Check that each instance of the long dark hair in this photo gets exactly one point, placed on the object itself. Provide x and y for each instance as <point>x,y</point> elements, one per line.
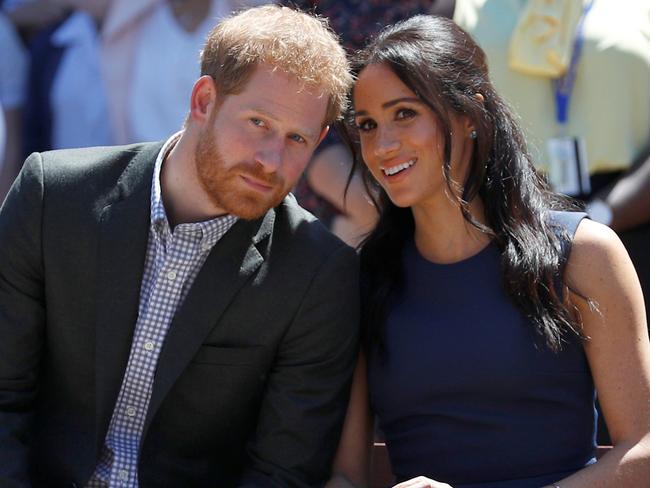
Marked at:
<point>445,68</point>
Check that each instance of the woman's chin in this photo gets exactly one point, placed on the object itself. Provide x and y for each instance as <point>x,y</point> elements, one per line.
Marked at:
<point>401,200</point>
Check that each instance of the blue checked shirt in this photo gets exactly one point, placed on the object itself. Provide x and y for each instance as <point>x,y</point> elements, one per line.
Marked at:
<point>172,263</point>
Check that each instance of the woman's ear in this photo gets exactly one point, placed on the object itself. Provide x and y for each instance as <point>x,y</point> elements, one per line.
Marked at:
<point>469,128</point>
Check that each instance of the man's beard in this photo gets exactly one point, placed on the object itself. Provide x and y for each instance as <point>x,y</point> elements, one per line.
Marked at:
<point>225,186</point>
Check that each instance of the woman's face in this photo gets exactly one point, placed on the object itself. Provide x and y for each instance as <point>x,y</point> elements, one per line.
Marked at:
<point>401,138</point>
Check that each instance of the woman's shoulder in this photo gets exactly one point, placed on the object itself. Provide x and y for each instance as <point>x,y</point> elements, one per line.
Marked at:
<point>592,242</point>
<point>598,259</point>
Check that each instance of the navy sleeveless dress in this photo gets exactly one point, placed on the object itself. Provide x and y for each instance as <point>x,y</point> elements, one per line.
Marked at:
<point>466,392</point>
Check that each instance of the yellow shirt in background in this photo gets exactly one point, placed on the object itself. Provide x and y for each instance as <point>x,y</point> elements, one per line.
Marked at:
<point>610,102</point>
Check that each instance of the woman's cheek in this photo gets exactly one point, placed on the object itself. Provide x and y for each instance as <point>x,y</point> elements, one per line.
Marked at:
<point>375,171</point>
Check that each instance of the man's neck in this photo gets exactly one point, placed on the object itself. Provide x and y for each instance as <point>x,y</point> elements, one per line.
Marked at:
<point>183,196</point>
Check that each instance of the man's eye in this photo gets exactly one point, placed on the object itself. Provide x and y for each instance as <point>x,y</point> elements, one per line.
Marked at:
<point>405,113</point>
<point>297,138</point>
<point>258,122</point>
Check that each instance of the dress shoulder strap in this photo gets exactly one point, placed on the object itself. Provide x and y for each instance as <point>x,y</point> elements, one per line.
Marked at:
<point>564,224</point>
<point>566,220</point>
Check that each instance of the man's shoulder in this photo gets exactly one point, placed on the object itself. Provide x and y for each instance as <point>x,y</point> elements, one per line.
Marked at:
<point>90,178</point>
<point>83,159</point>
<point>94,167</point>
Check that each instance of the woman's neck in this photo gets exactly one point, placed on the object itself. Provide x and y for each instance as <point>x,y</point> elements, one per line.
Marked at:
<point>442,235</point>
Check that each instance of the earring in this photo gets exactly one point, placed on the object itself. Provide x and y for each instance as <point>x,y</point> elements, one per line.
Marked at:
<point>473,135</point>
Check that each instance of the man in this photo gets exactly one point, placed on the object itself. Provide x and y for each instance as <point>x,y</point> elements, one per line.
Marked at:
<point>168,315</point>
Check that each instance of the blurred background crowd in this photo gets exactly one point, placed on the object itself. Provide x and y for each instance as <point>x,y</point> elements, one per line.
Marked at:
<point>79,73</point>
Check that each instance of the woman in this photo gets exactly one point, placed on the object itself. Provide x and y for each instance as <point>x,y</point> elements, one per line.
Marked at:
<point>485,336</point>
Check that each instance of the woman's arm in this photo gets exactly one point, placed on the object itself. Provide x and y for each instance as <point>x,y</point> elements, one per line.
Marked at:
<point>352,461</point>
<point>618,352</point>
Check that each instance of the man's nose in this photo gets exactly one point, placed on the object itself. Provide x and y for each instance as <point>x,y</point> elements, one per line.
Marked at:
<point>270,155</point>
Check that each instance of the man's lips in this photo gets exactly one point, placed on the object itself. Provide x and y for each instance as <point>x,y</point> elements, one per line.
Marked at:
<point>256,184</point>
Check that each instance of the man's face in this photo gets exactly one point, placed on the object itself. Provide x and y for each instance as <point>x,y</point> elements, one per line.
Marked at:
<point>257,142</point>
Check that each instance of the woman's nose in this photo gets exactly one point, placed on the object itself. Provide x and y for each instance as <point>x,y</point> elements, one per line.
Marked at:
<point>387,142</point>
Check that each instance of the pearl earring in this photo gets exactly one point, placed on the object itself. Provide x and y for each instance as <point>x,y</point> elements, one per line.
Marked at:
<point>473,134</point>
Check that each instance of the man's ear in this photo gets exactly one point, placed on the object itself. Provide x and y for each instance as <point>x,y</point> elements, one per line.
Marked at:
<point>323,133</point>
<point>203,100</point>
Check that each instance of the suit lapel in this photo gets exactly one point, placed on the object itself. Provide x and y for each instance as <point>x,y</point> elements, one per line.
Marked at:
<point>228,267</point>
<point>124,231</point>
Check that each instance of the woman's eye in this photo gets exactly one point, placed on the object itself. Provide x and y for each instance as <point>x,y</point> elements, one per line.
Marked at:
<point>365,125</point>
<point>405,113</point>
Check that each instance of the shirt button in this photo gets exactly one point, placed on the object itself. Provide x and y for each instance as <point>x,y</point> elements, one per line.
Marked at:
<point>171,275</point>
<point>130,411</point>
<point>123,475</point>
<point>149,346</point>
<point>206,246</point>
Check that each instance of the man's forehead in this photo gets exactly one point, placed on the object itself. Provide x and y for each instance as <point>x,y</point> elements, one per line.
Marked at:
<point>284,98</point>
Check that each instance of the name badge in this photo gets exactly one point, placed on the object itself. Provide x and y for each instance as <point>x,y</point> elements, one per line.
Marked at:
<point>568,170</point>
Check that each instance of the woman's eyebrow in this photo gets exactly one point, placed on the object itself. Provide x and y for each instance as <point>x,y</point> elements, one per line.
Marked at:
<point>391,103</point>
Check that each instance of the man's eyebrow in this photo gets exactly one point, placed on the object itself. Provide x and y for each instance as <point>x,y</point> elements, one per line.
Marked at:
<point>391,103</point>
<point>305,132</point>
<point>263,112</point>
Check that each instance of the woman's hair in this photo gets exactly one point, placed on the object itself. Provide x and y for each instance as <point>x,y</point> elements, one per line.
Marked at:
<point>446,69</point>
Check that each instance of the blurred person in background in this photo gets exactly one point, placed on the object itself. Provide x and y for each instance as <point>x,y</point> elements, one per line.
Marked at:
<point>13,74</point>
<point>150,58</point>
<point>578,74</point>
<point>3,136</point>
<point>32,16</point>
<point>350,215</point>
<point>66,105</point>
